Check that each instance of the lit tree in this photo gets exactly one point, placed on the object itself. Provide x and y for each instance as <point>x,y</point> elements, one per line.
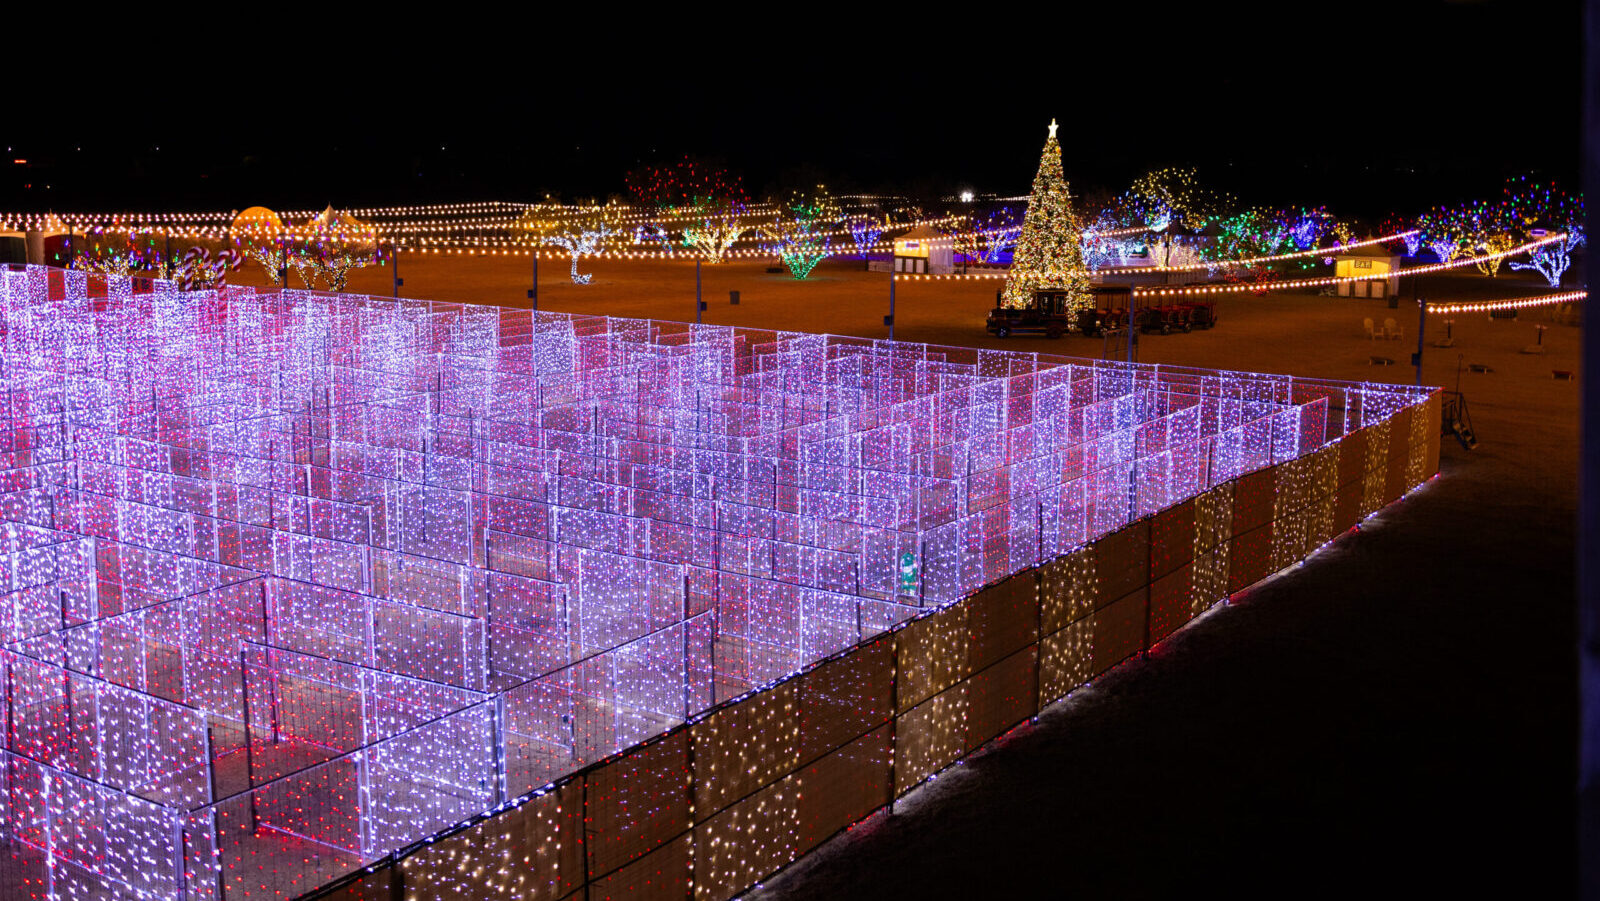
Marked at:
<point>587,230</point>
<point>1393,224</point>
<point>865,230</point>
<point>259,235</point>
<point>1173,195</point>
<point>715,224</point>
<point>710,203</point>
<point>1308,228</point>
<point>1049,252</point>
<point>1530,206</point>
<point>653,234</point>
<point>1437,230</point>
<point>1482,228</point>
<point>1251,233</point>
<point>270,254</point>
<point>800,232</point>
<point>985,238</point>
<point>108,253</point>
<point>332,245</point>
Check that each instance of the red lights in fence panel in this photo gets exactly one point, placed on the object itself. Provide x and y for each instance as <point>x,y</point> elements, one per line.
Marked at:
<point>296,580</point>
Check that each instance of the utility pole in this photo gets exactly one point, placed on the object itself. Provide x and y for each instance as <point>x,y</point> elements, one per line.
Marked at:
<point>1422,322</point>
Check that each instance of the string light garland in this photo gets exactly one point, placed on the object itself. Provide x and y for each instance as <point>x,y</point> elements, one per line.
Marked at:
<point>1263,285</point>
<point>1281,284</point>
<point>1517,303</point>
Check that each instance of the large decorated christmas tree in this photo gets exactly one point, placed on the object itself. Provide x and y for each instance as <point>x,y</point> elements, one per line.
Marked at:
<point>1049,254</point>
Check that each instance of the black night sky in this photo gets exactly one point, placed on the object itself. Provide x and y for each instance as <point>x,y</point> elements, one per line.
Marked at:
<point>1367,108</point>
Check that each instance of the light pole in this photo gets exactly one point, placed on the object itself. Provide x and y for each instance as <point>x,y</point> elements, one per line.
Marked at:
<point>533,292</point>
<point>889,319</point>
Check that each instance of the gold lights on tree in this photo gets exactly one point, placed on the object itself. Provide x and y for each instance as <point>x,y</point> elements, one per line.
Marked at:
<point>1049,255</point>
<point>591,230</point>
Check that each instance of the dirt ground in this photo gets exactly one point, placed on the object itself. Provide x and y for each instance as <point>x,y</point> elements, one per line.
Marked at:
<point>1394,717</point>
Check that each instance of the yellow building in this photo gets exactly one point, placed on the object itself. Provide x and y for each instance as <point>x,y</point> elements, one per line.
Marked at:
<point>923,249</point>
<point>1374,267</point>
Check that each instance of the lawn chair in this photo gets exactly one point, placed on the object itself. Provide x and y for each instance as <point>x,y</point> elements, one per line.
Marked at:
<point>1390,330</point>
<point>1372,331</point>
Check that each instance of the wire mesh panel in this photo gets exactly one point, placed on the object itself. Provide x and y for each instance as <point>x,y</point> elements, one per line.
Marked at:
<point>1066,659</point>
<point>660,875</point>
<point>747,840</point>
<point>1120,630</point>
<point>845,697</point>
<point>1069,589</point>
<point>745,746</point>
<point>1002,620</point>
<point>929,737</point>
<point>1001,696</point>
<point>532,852</point>
<point>843,787</point>
<point>637,803</point>
<point>933,656</point>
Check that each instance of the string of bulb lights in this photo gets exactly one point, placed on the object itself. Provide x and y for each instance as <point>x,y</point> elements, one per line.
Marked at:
<point>1515,303</point>
<point>1266,285</point>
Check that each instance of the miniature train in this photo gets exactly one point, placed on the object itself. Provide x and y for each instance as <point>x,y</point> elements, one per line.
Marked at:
<point>1051,315</point>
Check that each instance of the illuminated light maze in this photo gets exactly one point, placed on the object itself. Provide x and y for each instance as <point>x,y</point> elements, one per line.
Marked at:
<point>298,583</point>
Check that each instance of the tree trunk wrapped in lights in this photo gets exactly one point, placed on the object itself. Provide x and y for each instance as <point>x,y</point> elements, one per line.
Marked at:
<point>1531,206</point>
<point>800,231</point>
<point>983,239</point>
<point>589,231</point>
<point>1049,254</point>
<point>702,201</point>
<point>336,244</point>
<point>715,226</point>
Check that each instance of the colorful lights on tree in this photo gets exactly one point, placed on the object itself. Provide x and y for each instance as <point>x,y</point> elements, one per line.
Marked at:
<point>986,238</point>
<point>705,202</point>
<point>800,233</point>
<point>1533,205</point>
<point>865,230</point>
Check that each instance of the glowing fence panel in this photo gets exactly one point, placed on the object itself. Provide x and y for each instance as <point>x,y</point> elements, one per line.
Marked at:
<point>637,803</point>
<point>95,838</point>
<point>746,841</point>
<point>428,778</point>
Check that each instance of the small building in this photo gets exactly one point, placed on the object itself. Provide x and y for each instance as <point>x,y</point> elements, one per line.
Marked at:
<point>924,250</point>
<point>1375,267</point>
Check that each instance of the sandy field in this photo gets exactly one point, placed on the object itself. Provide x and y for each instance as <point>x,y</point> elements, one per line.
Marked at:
<point>1395,716</point>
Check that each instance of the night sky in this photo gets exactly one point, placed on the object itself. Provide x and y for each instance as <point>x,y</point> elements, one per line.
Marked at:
<point>1365,109</point>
